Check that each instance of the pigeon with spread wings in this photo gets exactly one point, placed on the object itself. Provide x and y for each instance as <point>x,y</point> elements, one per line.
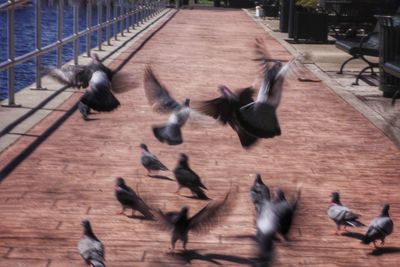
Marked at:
<point>161,101</point>
<point>96,78</point>
<point>180,224</point>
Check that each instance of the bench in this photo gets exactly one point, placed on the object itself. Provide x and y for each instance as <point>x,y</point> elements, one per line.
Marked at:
<point>359,49</point>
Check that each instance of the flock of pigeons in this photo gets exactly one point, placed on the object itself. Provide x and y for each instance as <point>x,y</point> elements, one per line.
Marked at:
<point>250,119</point>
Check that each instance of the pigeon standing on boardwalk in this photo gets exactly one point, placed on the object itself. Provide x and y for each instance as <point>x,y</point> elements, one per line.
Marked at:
<point>379,228</point>
<point>342,215</point>
<point>150,161</point>
<point>90,247</point>
<point>180,224</point>
<point>161,101</point>
<point>96,78</point>
<point>225,109</point>
<point>129,199</point>
<point>284,211</point>
<point>186,177</point>
<point>259,193</point>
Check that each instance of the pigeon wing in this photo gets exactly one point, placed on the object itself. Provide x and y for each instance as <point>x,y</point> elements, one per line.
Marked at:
<point>100,98</point>
<point>211,214</point>
<point>157,94</point>
<point>72,75</point>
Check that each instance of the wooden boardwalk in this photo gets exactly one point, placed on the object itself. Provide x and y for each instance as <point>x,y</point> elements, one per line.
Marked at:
<point>326,145</point>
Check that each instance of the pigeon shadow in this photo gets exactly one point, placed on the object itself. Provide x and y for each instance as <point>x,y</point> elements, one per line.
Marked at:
<point>385,250</point>
<point>354,235</point>
<point>140,217</point>
<point>161,177</point>
<point>189,255</point>
<point>251,237</point>
<point>195,197</point>
<point>90,119</point>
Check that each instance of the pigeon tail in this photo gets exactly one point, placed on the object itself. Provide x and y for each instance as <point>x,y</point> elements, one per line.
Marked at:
<point>366,239</point>
<point>199,193</point>
<point>354,223</point>
<point>395,96</point>
<point>97,263</point>
<point>146,213</point>
<point>168,133</point>
<point>266,248</point>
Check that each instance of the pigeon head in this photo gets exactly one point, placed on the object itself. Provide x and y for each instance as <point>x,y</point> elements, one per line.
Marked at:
<point>225,91</point>
<point>186,102</point>
<point>184,212</point>
<point>258,180</point>
<point>279,195</point>
<point>335,198</point>
<point>385,210</point>
<point>120,181</point>
<point>144,147</point>
<point>87,229</point>
<point>183,157</point>
<point>85,223</point>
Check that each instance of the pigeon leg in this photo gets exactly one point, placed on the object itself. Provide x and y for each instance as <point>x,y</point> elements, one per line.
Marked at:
<point>382,242</point>
<point>177,191</point>
<point>184,242</point>
<point>337,230</point>
<point>345,228</point>
<point>375,245</point>
<point>122,211</point>
<point>133,212</point>
<point>149,172</point>
<point>173,241</point>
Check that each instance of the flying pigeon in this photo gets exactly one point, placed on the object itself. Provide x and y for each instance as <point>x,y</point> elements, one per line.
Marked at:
<point>259,193</point>
<point>162,102</point>
<point>150,161</point>
<point>342,215</point>
<point>96,78</point>
<point>90,247</point>
<point>180,224</point>
<point>129,199</point>
<point>379,228</point>
<point>186,177</point>
<point>225,109</point>
<point>284,211</point>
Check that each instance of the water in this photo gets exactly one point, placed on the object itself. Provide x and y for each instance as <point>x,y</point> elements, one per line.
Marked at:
<point>25,39</point>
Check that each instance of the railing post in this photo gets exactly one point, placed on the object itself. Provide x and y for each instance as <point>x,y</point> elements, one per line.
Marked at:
<point>99,22</point>
<point>88,27</point>
<point>38,44</point>
<point>127,17</point>
<point>132,15</point>
<point>60,21</point>
<point>11,56</point>
<point>115,20</point>
<point>108,14</point>
<point>121,19</point>
<point>75,6</point>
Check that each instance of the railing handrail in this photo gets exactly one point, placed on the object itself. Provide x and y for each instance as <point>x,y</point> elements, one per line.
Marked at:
<point>139,11</point>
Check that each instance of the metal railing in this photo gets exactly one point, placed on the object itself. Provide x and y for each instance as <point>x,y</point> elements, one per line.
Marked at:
<point>126,14</point>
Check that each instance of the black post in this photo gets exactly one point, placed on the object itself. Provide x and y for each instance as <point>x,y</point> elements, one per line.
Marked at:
<point>284,16</point>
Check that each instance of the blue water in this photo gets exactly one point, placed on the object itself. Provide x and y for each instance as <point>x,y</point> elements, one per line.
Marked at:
<point>25,40</point>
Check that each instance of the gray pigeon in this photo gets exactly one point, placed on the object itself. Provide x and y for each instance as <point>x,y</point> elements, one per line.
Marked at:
<point>90,247</point>
<point>162,102</point>
<point>96,78</point>
<point>180,224</point>
<point>259,193</point>
<point>186,177</point>
<point>342,215</point>
<point>225,109</point>
<point>259,117</point>
<point>379,228</point>
<point>129,199</point>
<point>285,211</point>
<point>150,161</point>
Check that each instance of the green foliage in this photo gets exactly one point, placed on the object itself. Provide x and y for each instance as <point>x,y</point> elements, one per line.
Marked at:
<point>307,3</point>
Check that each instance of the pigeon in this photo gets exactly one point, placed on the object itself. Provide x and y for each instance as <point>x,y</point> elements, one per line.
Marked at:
<point>379,228</point>
<point>129,199</point>
<point>96,78</point>
<point>342,215</point>
<point>285,211</point>
<point>150,161</point>
<point>161,101</point>
<point>186,177</point>
<point>180,224</point>
<point>259,193</point>
<point>259,118</point>
<point>90,247</point>
<point>225,109</point>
